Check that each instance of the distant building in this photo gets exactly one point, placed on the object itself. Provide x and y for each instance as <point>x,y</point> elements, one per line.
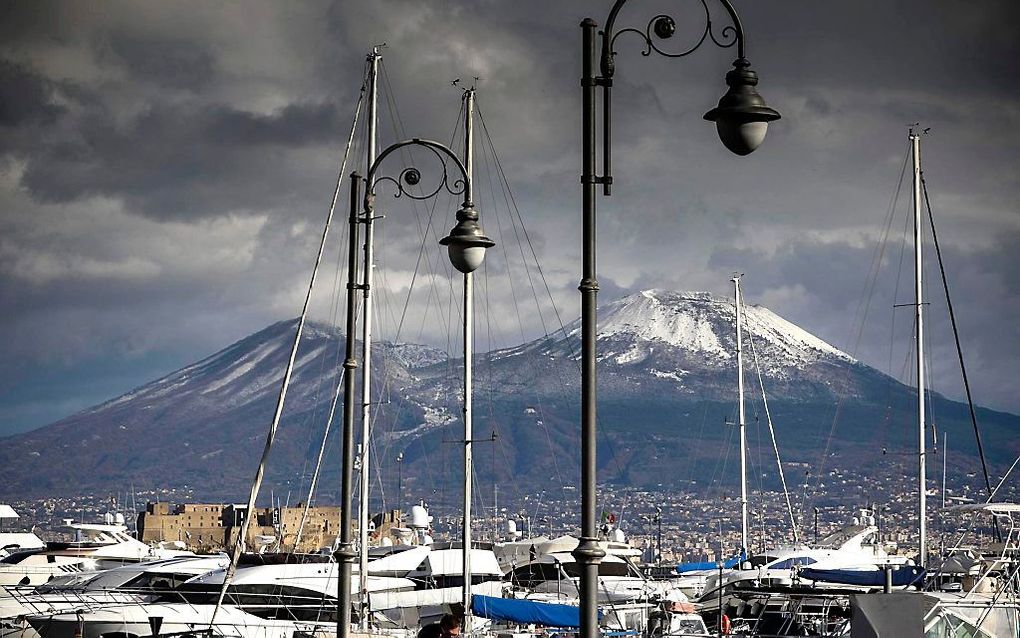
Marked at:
<point>214,527</point>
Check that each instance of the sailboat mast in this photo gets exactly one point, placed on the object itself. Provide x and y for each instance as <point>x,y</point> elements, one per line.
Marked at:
<point>366,347</point>
<point>945,453</point>
<point>469,302</point>
<point>741,421</point>
<point>915,143</point>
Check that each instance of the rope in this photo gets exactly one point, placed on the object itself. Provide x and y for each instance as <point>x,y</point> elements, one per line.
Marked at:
<point>860,319</point>
<point>340,382</point>
<point>956,337</point>
<point>508,195</point>
<point>772,433</point>
<point>257,482</point>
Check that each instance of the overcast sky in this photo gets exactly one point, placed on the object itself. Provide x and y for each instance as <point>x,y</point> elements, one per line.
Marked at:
<point>165,170</point>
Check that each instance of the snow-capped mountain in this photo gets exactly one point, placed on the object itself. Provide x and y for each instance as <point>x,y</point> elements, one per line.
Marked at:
<point>687,342</point>
<point>204,424</point>
<point>703,323</point>
<point>667,377</point>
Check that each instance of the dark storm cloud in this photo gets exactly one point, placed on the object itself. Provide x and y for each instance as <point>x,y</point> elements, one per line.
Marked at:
<point>172,63</point>
<point>164,168</point>
<point>181,160</point>
<point>25,97</point>
<point>824,285</point>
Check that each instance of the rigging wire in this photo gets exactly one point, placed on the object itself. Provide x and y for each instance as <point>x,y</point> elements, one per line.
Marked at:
<point>354,147</point>
<point>334,310</point>
<point>698,443</point>
<point>772,433</point>
<point>257,482</point>
<point>906,371</point>
<point>386,386</point>
<point>956,337</point>
<point>615,459</point>
<point>860,318</point>
<point>489,164</point>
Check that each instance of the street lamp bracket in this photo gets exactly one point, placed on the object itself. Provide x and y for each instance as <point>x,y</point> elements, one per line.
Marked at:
<point>663,27</point>
<point>408,181</point>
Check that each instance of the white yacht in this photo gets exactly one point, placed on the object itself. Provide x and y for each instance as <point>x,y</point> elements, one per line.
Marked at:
<point>96,546</point>
<point>12,542</point>
<point>140,582</point>
<point>270,596</point>
<point>437,572</point>
<point>625,594</point>
<point>856,551</point>
<point>552,573</point>
<point>975,591</point>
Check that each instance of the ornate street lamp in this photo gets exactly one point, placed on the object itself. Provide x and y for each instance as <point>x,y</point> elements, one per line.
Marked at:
<point>466,245</point>
<point>741,119</point>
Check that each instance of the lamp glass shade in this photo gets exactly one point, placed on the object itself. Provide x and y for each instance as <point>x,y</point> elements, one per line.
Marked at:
<point>740,136</point>
<point>465,258</point>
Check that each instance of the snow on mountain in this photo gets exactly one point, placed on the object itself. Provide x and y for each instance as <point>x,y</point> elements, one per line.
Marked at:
<point>675,319</point>
<point>700,322</point>
<point>684,342</point>
<point>416,355</point>
<point>667,363</point>
<point>652,325</point>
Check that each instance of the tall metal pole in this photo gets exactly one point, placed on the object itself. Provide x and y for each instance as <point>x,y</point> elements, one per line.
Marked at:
<point>945,451</point>
<point>366,350</point>
<point>741,424</point>
<point>588,553</point>
<point>922,504</point>
<point>658,539</point>
<point>942,510</point>
<point>346,553</point>
<point>469,151</point>
<point>400,487</point>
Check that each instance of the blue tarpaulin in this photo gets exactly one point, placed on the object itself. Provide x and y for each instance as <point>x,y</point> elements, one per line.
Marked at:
<point>683,568</point>
<point>526,611</point>
<point>901,576</point>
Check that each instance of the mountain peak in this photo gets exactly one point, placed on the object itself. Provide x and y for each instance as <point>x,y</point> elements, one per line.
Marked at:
<point>702,324</point>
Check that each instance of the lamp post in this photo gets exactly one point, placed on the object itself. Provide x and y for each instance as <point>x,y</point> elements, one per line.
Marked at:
<point>741,119</point>
<point>346,554</point>
<point>466,246</point>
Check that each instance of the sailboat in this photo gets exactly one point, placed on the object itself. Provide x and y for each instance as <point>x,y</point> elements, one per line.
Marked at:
<point>787,589</point>
<point>973,590</point>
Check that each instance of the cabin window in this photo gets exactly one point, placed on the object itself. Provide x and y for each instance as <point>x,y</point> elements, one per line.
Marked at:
<point>790,562</point>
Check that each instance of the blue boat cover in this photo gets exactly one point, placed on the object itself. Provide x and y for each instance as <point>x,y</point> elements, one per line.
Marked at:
<point>901,576</point>
<point>683,568</point>
<point>526,611</point>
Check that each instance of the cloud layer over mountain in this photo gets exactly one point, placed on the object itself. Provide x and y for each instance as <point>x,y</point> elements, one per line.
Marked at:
<point>165,170</point>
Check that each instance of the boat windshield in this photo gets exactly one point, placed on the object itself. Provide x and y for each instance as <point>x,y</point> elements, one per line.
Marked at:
<point>758,561</point>
<point>157,581</point>
<point>18,557</point>
<point>269,601</point>
<point>791,562</point>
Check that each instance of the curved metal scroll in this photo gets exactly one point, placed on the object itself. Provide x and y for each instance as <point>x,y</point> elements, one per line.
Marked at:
<point>662,27</point>
<point>410,177</point>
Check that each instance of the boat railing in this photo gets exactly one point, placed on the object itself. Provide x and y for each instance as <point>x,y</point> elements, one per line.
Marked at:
<point>771,614</point>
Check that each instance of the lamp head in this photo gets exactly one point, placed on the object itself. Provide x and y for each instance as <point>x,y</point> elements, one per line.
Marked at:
<point>466,243</point>
<point>742,118</point>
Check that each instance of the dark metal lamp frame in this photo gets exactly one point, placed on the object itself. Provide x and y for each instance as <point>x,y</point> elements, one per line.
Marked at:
<point>741,104</point>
